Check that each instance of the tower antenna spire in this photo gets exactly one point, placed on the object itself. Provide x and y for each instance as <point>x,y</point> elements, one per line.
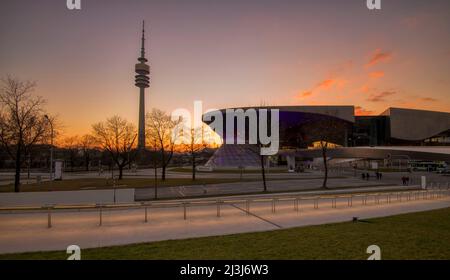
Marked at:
<point>143,39</point>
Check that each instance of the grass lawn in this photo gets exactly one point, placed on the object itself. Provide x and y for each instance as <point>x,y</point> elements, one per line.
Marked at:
<point>101,183</point>
<point>424,235</point>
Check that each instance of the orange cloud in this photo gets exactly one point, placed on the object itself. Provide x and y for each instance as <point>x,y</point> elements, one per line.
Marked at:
<point>329,83</point>
<point>365,88</point>
<point>379,56</point>
<point>376,74</point>
<point>428,99</point>
<point>360,111</point>
<point>324,85</point>
<point>381,97</point>
<point>305,94</point>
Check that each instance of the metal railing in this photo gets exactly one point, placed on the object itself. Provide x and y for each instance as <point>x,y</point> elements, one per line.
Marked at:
<point>348,200</point>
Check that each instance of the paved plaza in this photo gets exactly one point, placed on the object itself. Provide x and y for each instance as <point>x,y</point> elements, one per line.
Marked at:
<point>29,232</point>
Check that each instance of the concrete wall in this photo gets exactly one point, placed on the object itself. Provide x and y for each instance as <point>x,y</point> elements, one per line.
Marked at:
<point>66,197</point>
<point>417,125</point>
<point>342,112</point>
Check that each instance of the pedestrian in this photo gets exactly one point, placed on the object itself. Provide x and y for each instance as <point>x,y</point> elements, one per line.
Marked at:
<point>367,176</point>
<point>407,181</point>
<point>403,180</point>
<point>381,175</point>
<point>363,176</point>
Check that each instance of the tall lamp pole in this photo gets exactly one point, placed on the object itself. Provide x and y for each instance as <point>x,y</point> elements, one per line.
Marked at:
<point>51,148</point>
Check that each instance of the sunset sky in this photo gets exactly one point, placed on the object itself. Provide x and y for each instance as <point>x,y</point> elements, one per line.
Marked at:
<point>228,53</point>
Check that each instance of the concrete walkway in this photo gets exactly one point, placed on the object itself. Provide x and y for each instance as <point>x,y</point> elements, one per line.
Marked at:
<point>28,232</point>
<point>242,188</point>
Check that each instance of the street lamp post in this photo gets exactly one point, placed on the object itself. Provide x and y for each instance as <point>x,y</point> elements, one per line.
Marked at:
<point>51,148</point>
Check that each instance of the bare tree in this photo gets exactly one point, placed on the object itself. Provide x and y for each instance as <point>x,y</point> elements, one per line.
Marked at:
<point>160,128</point>
<point>72,147</point>
<point>153,146</point>
<point>263,169</point>
<point>117,136</point>
<point>193,145</point>
<point>326,132</point>
<point>262,160</point>
<point>87,144</point>
<point>22,121</point>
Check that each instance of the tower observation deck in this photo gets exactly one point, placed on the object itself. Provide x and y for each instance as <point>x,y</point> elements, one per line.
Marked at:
<point>142,81</point>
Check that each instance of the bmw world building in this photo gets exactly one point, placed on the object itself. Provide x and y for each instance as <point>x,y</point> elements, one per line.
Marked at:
<point>397,137</point>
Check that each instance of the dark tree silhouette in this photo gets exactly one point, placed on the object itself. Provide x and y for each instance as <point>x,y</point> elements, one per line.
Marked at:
<point>118,137</point>
<point>326,132</point>
<point>160,128</point>
<point>71,147</point>
<point>22,121</point>
<point>193,146</point>
<point>87,144</point>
